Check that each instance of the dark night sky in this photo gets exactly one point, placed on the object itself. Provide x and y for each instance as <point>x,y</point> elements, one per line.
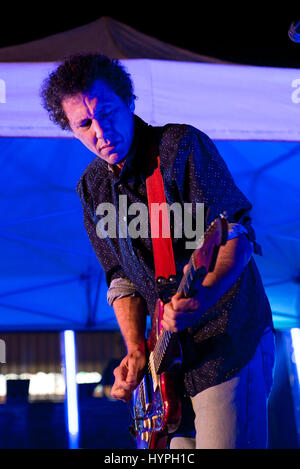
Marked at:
<point>241,35</point>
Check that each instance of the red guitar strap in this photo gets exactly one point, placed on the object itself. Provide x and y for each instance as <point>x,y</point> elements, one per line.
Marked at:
<point>160,226</point>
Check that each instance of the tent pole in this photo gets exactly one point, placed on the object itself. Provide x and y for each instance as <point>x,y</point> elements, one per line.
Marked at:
<point>68,353</point>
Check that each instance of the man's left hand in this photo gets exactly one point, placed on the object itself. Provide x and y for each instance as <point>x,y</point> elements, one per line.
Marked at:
<point>181,313</point>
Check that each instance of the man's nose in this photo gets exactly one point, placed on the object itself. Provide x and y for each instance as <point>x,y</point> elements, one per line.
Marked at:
<point>99,132</point>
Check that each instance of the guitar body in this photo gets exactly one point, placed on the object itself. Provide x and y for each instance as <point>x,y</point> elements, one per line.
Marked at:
<point>157,406</point>
<point>156,401</point>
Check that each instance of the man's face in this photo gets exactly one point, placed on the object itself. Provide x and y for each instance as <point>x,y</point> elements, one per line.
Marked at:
<point>102,121</point>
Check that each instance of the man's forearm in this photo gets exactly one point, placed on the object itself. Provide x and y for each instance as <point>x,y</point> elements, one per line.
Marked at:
<point>182,313</point>
<point>131,313</point>
<point>231,261</point>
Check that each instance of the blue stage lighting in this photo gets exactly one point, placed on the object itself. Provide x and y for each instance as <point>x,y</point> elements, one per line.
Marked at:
<point>71,388</point>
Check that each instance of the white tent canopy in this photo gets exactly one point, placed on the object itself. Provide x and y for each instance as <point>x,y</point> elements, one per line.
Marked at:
<point>49,275</point>
<point>230,102</point>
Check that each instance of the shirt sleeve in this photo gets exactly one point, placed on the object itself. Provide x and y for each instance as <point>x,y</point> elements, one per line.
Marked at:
<point>120,288</point>
<point>211,183</point>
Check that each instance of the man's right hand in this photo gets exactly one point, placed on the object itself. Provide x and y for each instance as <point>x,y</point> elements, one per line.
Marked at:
<point>128,375</point>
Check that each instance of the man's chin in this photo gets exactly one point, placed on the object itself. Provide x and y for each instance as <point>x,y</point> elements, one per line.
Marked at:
<point>113,159</point>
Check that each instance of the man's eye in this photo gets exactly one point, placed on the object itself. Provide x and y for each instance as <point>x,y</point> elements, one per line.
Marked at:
<point>86,123</point>
<point>103,115</point>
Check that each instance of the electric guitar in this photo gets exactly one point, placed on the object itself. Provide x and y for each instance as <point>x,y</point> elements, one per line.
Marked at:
<point>156,408</point>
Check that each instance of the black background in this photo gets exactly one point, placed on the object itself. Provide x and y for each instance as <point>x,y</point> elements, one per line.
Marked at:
<point>243,34</point>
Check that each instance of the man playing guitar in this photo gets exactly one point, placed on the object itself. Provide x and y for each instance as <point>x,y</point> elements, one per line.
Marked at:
<point>225,327</point>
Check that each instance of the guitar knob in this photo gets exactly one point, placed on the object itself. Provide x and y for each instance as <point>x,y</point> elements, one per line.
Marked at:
<point>147,423</point>
<point>156,421</point>
<point>145,436</point>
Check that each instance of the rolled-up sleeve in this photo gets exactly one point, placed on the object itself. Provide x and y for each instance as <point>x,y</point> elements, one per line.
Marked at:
<point>120,288</point>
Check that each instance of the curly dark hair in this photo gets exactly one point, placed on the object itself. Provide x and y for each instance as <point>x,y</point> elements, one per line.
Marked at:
<point>76,75</point>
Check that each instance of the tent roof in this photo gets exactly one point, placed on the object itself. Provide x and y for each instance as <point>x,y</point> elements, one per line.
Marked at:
<point>224,101</point>
<point>105,35</point>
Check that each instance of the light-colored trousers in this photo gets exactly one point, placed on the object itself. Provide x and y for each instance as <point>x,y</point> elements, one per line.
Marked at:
<point>233,414</point>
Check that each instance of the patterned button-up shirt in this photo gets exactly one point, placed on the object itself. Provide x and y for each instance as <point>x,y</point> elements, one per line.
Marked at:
<point>193,172</point>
